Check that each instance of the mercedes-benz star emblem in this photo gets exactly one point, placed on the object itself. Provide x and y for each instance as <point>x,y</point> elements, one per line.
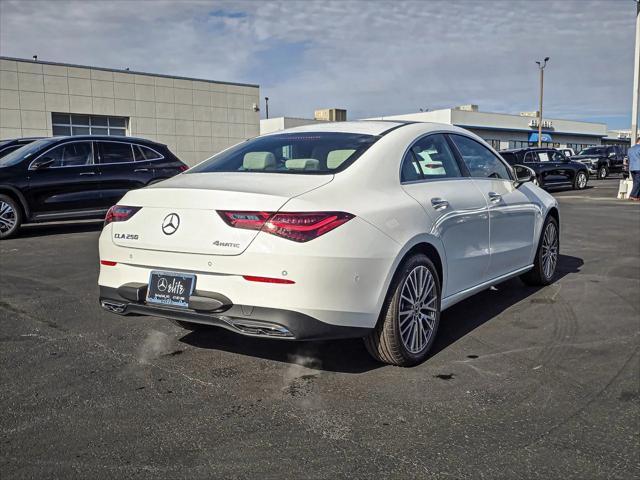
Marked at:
<point>162,284</point>
<point>170,224</point>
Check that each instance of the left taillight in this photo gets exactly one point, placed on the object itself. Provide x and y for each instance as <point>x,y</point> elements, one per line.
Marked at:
<point>120,213</point>
<point>295,226</point>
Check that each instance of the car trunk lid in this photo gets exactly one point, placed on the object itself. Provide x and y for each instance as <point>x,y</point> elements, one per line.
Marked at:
<point>180,214</point>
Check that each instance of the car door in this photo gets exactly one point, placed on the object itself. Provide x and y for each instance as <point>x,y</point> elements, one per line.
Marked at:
<point>512,214</point>
<point>562,167</point>
<point>432,175</point>
<point>69,183</point>
<point>119,170</point>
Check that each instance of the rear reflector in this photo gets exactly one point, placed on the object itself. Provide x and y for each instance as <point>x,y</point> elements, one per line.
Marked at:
<point>296,226</point>
<point>108,263</point>
<point>252,278</point>
<point>120,213</point>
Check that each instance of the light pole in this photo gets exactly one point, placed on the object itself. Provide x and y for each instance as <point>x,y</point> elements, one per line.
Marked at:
<point>541,66</point>
<point>266,106</point>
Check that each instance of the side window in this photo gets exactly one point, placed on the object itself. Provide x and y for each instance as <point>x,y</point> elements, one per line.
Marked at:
<point>115,152</point>
<point>530,157</point>
<point>410,171</point>
<point>144,153</point>
<point>544,156</point>
<point>557,156</point>
<point>480,161</point>
<point>70,155</point>
<point>431,157</point>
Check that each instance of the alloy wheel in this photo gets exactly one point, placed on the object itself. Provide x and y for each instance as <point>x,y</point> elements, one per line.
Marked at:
<point>549,250</point>
<point>417,309</point>
<point>8,217</point>
<point>582,180</point>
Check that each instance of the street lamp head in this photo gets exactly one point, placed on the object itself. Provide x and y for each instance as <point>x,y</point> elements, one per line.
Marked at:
<point>546,59</point>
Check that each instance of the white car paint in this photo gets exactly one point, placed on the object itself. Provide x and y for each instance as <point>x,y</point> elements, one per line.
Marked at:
<point>341,278</point>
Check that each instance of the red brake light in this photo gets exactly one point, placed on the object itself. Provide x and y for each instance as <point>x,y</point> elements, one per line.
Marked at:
<point>296,226</point>
<point>108,263</point>
<point>120,213</point>
<point>183,168</point>
<point>253,278</point>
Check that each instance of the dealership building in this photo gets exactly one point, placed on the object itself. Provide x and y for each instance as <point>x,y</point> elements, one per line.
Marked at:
<point>193,117</point>
<point>503,131</point>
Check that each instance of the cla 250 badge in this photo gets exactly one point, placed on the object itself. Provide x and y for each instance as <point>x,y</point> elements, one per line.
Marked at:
<point>126,236</point>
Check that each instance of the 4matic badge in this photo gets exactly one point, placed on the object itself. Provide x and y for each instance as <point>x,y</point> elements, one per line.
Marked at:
<point>218,243</point>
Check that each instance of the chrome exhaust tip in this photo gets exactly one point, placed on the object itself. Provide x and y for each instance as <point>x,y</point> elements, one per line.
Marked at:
<point>114,307</point>
<point>265,329</point>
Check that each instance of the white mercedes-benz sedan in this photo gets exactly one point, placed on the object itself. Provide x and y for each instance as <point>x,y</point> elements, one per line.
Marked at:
<point>354,229</point>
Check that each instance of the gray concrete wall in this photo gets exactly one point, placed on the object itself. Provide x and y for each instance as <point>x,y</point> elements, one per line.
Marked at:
<point>195,118</point>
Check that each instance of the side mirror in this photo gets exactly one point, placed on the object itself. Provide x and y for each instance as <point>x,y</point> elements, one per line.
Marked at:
<point>524,174</point>
<point>41,163</point>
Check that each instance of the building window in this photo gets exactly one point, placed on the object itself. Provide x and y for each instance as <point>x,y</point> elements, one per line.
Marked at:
<point>75,124</point>
<point>494,143</point>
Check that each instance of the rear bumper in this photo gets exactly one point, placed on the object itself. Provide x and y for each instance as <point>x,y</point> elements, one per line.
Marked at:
<point>243,319</point>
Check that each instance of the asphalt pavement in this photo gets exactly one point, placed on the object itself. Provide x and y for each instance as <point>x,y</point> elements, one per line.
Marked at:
<point>523,382</point>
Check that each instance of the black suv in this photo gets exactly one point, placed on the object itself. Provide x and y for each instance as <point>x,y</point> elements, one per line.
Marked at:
<point>70,178</point>
<point>602,160</point>
<point>552,167</point>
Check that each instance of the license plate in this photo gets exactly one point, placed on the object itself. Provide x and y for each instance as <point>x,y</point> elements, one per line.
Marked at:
<point>170,288</point>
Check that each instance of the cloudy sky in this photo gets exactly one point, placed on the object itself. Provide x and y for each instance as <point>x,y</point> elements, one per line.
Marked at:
<point>371,57</point>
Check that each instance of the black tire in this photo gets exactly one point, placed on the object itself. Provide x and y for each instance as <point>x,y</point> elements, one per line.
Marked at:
<point>10,216</point>
<point>191,326</point>
<point>603,172</point>
<point>385,342</point>
<point>577,181</point>
<point>538,276</point>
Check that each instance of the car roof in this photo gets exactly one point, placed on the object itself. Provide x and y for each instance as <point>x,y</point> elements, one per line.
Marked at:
<point>364,127</point>
<point>529,149</point>
<point>111,138</point>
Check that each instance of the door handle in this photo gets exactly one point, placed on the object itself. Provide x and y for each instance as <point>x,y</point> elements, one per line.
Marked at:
<point>141,170</point>
<point>87,173</point>
<point>494,197</point>
<point>439,203</point>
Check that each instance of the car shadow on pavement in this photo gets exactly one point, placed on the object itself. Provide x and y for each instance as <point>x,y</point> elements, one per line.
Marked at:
<point>45,229</point>
<point>466,316</point>
<point>350,356</point>
<point>343,356</point>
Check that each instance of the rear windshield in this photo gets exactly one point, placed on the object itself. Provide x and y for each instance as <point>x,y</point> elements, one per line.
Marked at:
<point>301,153</point>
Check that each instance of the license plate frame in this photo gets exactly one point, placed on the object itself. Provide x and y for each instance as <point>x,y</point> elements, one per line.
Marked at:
<point>175,291</point>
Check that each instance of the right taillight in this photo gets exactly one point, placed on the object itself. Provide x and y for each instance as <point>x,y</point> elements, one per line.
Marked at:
<point>120,213</point>
<point>296,226</point>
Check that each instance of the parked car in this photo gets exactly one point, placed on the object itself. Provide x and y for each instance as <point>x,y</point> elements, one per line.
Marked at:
<point>350,229</point>
<point>625,167</point>
<point>9,145</point>
<point>65,178</point>
<point>568,152</point>
<point>602,160</point>
<point>551,167</point>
